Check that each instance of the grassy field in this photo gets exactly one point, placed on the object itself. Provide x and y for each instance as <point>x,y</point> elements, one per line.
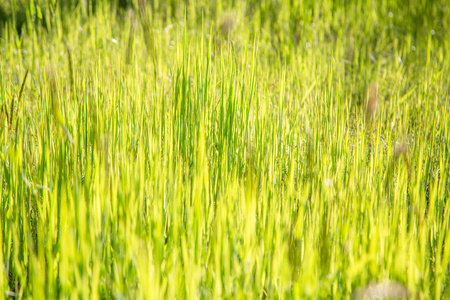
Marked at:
<point>225,149</point>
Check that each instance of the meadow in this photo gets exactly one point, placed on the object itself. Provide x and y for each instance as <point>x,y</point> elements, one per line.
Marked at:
<point>224,149</point>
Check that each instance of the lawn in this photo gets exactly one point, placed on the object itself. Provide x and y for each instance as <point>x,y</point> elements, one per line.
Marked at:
<point>224,149</point>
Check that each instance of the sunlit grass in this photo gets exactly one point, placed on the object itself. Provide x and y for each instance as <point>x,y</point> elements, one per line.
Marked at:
<point>263,149</point>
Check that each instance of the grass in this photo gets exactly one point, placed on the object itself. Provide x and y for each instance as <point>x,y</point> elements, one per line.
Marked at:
<point>260,149</point>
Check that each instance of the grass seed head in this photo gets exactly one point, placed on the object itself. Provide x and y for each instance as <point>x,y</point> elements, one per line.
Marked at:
<point>372,103</point>
<point>146,20</point>
<point>401,149</point>
<point>227,24</point>
<point>382,290</point>
<point>129,51</point>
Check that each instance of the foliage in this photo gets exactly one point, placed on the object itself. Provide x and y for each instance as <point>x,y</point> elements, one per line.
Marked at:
<point>234,149</point>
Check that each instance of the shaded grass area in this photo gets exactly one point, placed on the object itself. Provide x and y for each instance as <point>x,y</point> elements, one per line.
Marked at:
<point>228,149</point>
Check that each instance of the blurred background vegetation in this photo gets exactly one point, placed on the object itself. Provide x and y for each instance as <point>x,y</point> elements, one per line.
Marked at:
<point>352,31</point>
<point>281,18</point>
